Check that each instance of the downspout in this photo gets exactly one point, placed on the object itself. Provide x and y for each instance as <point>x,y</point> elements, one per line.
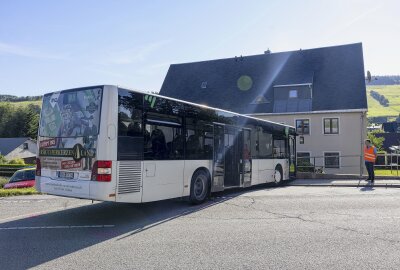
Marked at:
<point>362,121</point>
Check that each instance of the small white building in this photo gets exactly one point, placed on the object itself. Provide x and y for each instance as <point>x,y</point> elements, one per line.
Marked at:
<point>22,147</point>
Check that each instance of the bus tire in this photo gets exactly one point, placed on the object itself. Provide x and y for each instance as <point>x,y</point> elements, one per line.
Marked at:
<point>199,187</point>
<point>278,175</point>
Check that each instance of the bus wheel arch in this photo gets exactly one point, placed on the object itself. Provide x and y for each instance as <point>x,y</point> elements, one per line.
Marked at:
<point>278,174</point>
<point>200,185</point>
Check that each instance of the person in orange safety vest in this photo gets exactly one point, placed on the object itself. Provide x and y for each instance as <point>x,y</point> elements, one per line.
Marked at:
<point>370,154</point>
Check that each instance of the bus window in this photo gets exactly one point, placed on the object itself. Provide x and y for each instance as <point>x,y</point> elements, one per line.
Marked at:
<point>163,137</point>
<point>280,149</point>
<point>265,144</point>
<point>199,139</point>
<point>130,125</point>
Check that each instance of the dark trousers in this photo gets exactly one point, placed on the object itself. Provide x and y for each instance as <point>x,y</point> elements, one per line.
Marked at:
<point>370,169</point>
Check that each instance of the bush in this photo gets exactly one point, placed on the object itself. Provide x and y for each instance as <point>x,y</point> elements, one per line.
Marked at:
<point>3,160</point>
<point>304,165</point>
<point>16,166</point>
<point>17,191</point>
<point>18,161</point>
<point>376,141</point>
<point>3,181</point>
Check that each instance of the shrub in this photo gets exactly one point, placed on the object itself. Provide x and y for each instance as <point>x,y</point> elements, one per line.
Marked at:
<point>304,165</point>
<point>18,161</point>
<point>3,160</point>
<point>376,141</point>
<point>3,181</point>
<point>17,191</point>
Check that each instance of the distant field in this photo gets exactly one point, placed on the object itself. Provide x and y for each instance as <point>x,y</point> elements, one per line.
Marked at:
<point>392,93</point>
<point>24,103</point>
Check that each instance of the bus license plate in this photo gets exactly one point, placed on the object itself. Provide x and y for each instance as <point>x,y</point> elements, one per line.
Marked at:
<point>66,175</point>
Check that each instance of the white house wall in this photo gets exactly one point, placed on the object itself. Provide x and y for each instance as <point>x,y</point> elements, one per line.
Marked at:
<point>349,141</point>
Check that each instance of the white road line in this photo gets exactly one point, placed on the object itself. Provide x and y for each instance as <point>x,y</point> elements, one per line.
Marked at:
<point>57,227</point>
<point>41,212</point>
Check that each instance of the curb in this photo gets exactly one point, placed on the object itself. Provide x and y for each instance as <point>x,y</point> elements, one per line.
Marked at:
<point>346,185</point>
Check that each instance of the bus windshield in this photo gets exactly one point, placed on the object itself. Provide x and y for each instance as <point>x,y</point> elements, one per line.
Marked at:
<point>71,113</point>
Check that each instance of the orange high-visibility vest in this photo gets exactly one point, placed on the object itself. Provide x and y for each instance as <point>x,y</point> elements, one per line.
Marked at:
<point>369,154</point>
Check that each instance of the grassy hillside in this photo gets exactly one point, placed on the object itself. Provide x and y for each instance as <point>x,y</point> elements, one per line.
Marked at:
<point>26,103</point>
<point>23,103</point>
<point>392,93</point>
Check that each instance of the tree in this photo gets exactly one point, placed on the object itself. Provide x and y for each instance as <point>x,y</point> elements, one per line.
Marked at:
<point>3,160</point>
<point>20,121</point>
<point>376,141</point>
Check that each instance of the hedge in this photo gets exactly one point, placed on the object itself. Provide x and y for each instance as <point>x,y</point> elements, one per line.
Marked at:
<point>17,191</point>
<point>16,165</point>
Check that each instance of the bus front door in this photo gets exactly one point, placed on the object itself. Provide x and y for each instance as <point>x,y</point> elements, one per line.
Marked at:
<point>218,159</point>
<point>246,158</point>
<point>233,156</point>
<point>292,157</point>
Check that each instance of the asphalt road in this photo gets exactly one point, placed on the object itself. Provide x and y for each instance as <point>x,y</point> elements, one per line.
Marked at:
<point>264,228</point>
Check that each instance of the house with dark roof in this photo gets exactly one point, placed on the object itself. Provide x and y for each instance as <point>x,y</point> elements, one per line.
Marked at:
<point>391,127</point>
<point>21,147</point>
<point>390,140</point>
<point>319,91</point>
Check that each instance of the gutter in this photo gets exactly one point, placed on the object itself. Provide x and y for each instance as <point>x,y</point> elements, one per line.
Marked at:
<point>294,85</point>
<point>311,112</point>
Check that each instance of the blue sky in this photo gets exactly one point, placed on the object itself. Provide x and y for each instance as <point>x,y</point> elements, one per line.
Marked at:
<point>53,45</point>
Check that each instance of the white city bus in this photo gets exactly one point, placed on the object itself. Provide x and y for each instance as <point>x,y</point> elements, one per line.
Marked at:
<point>113,144</point>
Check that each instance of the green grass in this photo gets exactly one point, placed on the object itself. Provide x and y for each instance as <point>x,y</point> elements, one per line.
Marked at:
<point>26,103</point>
<point>392,93</point>
<point>385,172</point>
<point>17,191</point>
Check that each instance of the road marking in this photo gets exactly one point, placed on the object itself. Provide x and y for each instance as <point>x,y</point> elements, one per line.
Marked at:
<point>56,227</point>
<point>35,214</point>
<point>21,201</point>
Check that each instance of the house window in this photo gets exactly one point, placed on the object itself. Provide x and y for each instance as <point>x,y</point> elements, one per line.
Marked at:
<point>25,146</point>
<point>293,94</point>
<point>303,126</point>
<point>332,160</point>
<point>303,157</point>
<point>204,85</point>
<point>331,125</point>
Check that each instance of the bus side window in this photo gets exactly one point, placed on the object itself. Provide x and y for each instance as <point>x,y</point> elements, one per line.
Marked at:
<point>265,144</point>
<point>130,127</point>
<point>199,142</point>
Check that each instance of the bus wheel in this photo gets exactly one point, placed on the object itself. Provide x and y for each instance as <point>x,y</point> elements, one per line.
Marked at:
<point>278,175</point>
<point>199,187</point>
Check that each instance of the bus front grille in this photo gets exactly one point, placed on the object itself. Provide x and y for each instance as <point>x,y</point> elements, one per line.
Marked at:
<point>129,177</point>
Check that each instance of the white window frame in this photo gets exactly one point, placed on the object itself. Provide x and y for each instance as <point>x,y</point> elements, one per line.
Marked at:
<point>323,126</point>
<point>340,159</point>
<point>293,91</point>
<point>309,125</point>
